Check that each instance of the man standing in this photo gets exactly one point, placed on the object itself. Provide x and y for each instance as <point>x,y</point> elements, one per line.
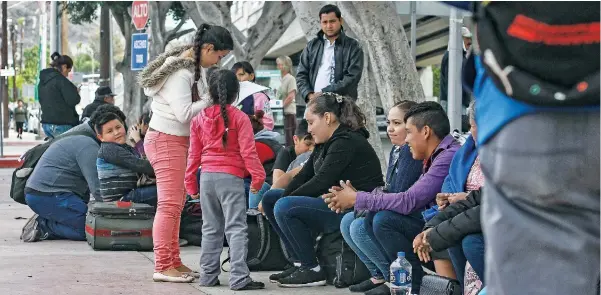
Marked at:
<point>104,95</point>
<point>331,62</point>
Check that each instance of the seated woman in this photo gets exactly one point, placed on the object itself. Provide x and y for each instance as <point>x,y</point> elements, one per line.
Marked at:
<point>398,218</point>
<point>402,172</point>
<point>257,102</point>
<point>341,152</point>
<point>464,176</point>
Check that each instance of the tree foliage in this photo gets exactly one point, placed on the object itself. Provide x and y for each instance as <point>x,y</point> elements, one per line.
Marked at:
<point>84,63</point>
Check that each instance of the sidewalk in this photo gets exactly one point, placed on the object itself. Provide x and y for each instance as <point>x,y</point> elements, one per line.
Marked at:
<point>73,268</point>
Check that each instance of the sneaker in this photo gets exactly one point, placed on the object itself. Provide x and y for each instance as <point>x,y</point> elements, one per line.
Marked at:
<point>274,278</point>
<point>252,285</point>
<point>380,290</point>
<point>303,277</point>
<point>364,286</point>
<point>31,231</point>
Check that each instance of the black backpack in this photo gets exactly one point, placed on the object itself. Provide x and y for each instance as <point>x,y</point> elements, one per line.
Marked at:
<point>540,53</point>
<point>268,166</point>
<point>29,160</point>
<point>191,224</point>
<point>265,249</point>
<point>342,266</point>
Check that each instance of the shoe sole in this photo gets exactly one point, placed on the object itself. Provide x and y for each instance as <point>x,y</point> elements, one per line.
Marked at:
<point>168,279</point>
<point>313,284</point>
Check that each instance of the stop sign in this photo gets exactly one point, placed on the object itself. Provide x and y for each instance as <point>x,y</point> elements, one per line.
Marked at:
<point>140,14</point>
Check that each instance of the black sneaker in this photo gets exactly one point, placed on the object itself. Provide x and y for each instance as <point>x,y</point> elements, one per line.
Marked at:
<point>364,286</point>
<point>31,231</point>
<point>252,285</point>
<point>274,278</point>
<point>380,290</point>
<point>304,278</point>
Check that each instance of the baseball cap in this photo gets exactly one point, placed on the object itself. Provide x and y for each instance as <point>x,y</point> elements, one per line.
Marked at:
<point>104,91</point>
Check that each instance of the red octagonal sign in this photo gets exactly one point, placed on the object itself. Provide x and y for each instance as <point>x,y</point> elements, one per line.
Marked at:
<point>140,10</point>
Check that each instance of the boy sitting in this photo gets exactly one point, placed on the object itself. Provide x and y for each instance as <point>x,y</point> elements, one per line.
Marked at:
<point>118,164</point>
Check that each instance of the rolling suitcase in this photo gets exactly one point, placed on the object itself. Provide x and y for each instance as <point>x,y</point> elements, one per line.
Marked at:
<point>120,226</point>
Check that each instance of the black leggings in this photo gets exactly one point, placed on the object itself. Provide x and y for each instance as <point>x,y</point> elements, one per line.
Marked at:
<point>20,127</point>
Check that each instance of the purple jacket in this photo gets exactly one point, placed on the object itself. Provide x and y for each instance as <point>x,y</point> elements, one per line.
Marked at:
<point>422,193</point>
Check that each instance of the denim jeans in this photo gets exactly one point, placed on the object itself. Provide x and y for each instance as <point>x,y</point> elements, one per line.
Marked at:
<point>255,199</point>
<point>297,220</point>
<point>62,216</point>
<point>365,245</point>
<point>53,131</point>
<point>395,233</point>
<point>471,249</point>
<point>145,195</point>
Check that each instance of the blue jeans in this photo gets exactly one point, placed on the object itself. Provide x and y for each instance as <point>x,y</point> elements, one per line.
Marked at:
<point>365,245</point>
<point>145,195</point>
<point>395,233</point>
<point>62,216</point>
<point>296,220</point>
<point>255,199</point>
<point>471,249</point>
<point>53,131</point>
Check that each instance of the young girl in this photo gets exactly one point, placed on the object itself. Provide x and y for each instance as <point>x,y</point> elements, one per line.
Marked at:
<point>176,81</point>
<point>257,102</point>
<point>222,142</point>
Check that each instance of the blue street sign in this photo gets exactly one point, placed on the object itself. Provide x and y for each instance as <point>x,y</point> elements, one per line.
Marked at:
<point>139,51</point>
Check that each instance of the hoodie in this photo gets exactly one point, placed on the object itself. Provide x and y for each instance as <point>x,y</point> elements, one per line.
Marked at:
<point>168,80</point>
<point>58,98</point>
<point>347,155</point>
<point>206,147</point>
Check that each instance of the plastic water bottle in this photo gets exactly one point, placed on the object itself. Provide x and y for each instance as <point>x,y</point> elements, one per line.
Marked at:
<point>400,276</point>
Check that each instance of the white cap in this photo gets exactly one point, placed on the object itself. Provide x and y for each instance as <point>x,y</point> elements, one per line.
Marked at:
<point>465,32</point>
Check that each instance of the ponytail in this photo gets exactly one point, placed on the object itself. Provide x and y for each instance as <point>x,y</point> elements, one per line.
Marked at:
<point>59,60</point>
<point>223,88</point>
<point>345,109</point>
<point>219,37</point>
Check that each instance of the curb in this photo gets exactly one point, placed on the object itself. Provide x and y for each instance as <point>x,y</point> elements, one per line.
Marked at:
<point>10,162</point>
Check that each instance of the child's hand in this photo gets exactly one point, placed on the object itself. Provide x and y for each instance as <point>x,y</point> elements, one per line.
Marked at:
<point>134,134</point>
<point>196,196</point>
<point>253,190</point>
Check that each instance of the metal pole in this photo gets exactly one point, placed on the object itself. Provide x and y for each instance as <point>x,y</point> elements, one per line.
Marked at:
<point>43,64</point>
<point>413,9</point>
<point>2,122</point>
<point>111,67</point>
<point>455,63</point>
<point>53,28</point>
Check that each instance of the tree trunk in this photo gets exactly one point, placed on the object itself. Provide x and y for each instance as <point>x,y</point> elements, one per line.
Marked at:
<point>275,19</point>
<point>133,99</point>
<point>64,31</point>
<point>105,46</point>
<point>379,27</point>
<point>4,56</point>
<point>308,15</point>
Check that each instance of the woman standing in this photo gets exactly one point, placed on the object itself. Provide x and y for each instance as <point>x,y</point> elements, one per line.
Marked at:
<point>58,97</point>
<point>20,118</point>
<point>287,93</point>
<point>177,82</point>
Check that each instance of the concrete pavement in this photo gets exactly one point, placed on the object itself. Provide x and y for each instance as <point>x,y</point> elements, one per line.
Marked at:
<point>73,268</point>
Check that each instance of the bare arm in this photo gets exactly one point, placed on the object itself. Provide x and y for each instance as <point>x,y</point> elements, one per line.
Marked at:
<point>290,98</point>
<point>285,179</point>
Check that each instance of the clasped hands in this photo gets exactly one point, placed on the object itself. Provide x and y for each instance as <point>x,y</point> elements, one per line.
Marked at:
<point>341,198</point>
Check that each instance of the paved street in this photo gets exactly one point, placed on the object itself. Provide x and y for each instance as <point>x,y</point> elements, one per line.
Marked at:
<point>73,268</point>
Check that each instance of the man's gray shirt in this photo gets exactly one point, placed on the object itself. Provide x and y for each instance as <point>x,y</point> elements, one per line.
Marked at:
<point>68,166</point>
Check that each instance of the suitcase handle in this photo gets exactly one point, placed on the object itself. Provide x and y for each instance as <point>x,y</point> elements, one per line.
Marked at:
<point>116,233</point>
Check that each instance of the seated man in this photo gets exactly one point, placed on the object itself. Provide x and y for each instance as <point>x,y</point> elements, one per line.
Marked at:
<point>287,164</point>
<point>119,164</point>
<point>398,219</point>
<point>60,185</point>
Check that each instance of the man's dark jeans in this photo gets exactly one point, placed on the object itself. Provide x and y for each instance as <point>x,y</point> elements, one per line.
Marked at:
<point>395,233</point>
<point>471,249</point>
<point>297,219</point>
<point>62,216</point>
<point>145,195</point>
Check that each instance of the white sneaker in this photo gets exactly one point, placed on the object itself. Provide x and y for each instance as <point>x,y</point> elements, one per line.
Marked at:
<point>184,278</point>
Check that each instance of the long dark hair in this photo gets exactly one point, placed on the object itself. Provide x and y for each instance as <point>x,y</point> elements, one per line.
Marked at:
<point>345,109</point>
<point>223,88</point>
<point>219,37</point>
<point>246,67</point>
<point>256,121</point>
<point>59,60</point>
